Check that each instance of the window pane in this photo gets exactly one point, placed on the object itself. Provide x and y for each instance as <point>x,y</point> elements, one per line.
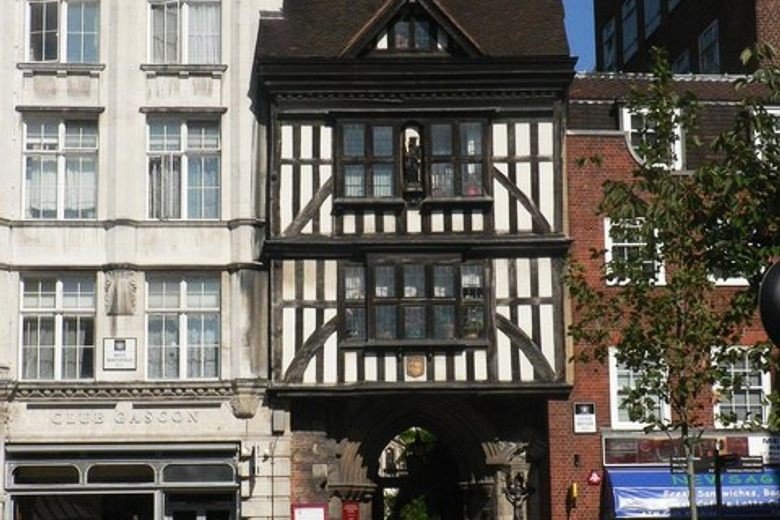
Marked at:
<point>383,141</point>
<point>203,187</point>
<point>472,180</point>
<point>80,186</point>
<point>385,321</point>
<point>354,137</point>
<point>444,322</point>
<point>39,293</point>
<point>83,23</point>
<point>383,180</point>
<point>355,323</point>
<point>414,281</point>
<point>42,135</point>
<point>163,294</point>
<point>471,138</point>
<point>41,187</point>
<point>354,283</point>
<point>203,293</point>
<point>442,180</point>
<point>473,321</point>
<point>354,181</point>
<point>414,322</point>
<point>81,134</point>
<point>78,293</point>
<point>401,31</point>
<point>203,136</point>
<point>165,186</point>
<point>165,135</point>
<point>471,281</point>
<point>441,137</point>
<point>422,34</point>
<point>204,32</point>
<point>385,282</point>
<point>443,281</point>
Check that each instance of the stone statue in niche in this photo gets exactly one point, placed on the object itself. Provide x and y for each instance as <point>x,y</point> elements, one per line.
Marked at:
<point>120,293</point>
<point>413,162</point>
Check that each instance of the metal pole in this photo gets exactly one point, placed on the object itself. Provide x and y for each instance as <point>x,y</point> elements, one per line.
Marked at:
<point>718,488</point>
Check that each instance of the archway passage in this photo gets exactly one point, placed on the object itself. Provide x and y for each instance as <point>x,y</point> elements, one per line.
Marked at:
<point>417,479</point>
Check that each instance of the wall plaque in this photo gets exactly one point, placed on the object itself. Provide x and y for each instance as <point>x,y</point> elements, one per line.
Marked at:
<point>119,354</point>
<point>585,418</point>
<point>309,512</point>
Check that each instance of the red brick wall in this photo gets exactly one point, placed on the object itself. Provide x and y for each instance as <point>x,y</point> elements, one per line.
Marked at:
<point>768,22</point>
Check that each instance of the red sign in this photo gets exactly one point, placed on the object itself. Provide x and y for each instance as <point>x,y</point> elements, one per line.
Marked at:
<point>594,479</point>
<point>350,511</point>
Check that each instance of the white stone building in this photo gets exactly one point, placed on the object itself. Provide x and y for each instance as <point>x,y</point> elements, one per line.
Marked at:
<point>131,300</point>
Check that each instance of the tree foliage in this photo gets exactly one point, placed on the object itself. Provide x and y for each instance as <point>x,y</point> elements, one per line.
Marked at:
<point>678,335</point>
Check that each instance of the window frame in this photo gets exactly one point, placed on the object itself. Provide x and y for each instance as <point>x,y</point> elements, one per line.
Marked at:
<point>429,302</point>
<point>715,45</point>
<point>182,313</point>
<point>368,160</point>
<point>678,149</point>
<point>183,33</point>
<point>683,57</point>
<point>629,17</point>
<point>765,388</point>
<point>615,400</point>
<point>63,33</point>
<point>610,244</point>
<point>58,312</point>
<point>60,154</point>
<point>185,155</point>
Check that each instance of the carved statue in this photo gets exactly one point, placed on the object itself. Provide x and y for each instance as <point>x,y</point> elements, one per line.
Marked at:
<point>412,161</point>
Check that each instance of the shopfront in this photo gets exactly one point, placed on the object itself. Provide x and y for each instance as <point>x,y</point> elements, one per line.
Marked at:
<point>196,481</point>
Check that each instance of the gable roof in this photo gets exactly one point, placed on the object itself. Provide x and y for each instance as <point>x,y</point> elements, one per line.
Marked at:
<point>498,28</point>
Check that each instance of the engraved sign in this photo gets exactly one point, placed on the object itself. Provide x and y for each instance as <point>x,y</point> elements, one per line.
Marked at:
<point>585,418</point>
<point>134,417</point>
<point>119,354</point>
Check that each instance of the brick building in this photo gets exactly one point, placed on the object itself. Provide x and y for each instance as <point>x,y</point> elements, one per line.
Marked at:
<point>700,36</point>
<point>629,461</point>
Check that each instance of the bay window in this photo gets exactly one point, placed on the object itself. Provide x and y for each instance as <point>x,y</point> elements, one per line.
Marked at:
<point>60,168</point>
<point>414,300</point>
<point>58,327</point>
<point>368,160</point>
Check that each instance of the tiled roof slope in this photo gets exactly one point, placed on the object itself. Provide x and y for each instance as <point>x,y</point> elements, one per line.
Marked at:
<point>616,86</point>
<point>500,28</point>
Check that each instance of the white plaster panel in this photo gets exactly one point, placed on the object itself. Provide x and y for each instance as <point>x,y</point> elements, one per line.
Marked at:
<point>523,278</point>
<point>389,222</point>
<point>545,139</point>
<point>370,367</point>
<point>547,332</point>
<point>461,372</point>
<point>307,145</point>
<point>288,280</point>
<point>285,196</point>
<point>504,349</point>
<point>310,280</point>
<point>306,191</point>
<point>348,223</point>
<point>522,139</point>
<point>309,323</point>
<point>391,368</point>
<point>524,221</point>
<point>502,277</point>
<point>501,207</point>
<point>477,221</point>
<point>288,338</point>
<point>326,219</point>
<point>458,221</point>
<point>437,221</point>
<point>287,142</point>
<point>500,140</point>
<point>480,365</point>
<point>326,142</point>
<point>547,192</point>
<point>330,359</point>
<point>350,367</point>
<point>526,368</point>
<point>413,221</point>
<point>369,223</point>
<point>331,280</point>
<point>545,277</point>
<point>439,367</point>
<point>310,374</point>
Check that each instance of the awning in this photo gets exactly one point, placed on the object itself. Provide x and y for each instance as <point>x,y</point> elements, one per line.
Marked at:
<point>658,493</point>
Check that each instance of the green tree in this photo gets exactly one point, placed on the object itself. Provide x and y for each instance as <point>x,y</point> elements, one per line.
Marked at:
<point>678,335</point>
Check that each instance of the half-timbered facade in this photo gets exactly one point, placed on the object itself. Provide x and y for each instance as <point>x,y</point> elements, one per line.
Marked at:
<point>415,241</point>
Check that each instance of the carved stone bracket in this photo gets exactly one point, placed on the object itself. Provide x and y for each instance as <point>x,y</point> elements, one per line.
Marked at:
<point>121,288</point>
<point>244,405</point>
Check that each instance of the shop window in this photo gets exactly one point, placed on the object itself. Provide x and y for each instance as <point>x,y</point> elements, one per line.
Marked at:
<point>748,403</point>
<point>183,169</point>
<point>183,327</point>
<point>642,133</point>
<point>185,31</point>
<point>624,244</point>
<point>46,475</point>
<point>709,50</point>
<point>60,168</point>
<point>609,46</point>
<point>120,473</point>
<point>623,380</point>
<point>58,327</point>
<point>414,300</point>
<point>198,473</point>
<point>63,30</point>
<point>629,22</point>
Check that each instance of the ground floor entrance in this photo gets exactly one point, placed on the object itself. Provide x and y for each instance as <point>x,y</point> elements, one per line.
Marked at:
<point>421,456</point>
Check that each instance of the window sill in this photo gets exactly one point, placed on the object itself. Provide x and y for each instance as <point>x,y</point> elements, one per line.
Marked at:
<point>61,69</point>
<point>183,70</point>
<point>357,203</point>
<point>415,344</point>
<point>433,203</point>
